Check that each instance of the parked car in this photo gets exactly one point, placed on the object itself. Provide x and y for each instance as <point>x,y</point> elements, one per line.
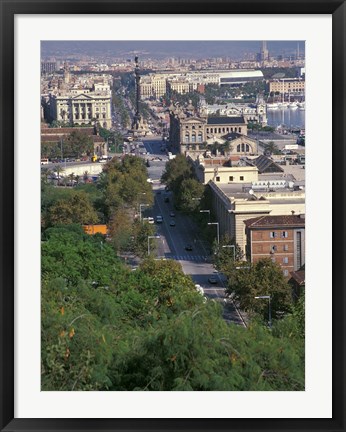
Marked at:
<point>212,279</point>
<point>172,223</point>
<point>188,247</point>
<point>166,200</point>
<point>159,219</point>
<point>172,214</point>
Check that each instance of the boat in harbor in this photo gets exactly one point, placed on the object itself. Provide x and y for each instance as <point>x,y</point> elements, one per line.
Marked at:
<point>301,105</point>
<point>293,105</point>
<point>273,105</point>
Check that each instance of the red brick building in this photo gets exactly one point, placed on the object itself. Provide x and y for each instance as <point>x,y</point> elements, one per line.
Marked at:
<point>282,238</point>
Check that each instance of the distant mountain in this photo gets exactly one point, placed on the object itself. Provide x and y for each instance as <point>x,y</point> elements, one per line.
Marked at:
<point>160,49</point>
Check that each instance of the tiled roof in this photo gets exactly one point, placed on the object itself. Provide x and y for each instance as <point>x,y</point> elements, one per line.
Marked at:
<point>287,221</point>
<point>225,120</point>
<point>299,277</point>
<point>264,164</point>
<point>67,131</point>
<point>57,138</point>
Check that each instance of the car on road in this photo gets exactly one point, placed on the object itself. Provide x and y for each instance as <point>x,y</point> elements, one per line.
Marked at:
<point>172,223</point>
<point>166,200</point>
<point>188,247</point>
<point>212,279</point>
<point>172,214</point>
<point>159,219</point>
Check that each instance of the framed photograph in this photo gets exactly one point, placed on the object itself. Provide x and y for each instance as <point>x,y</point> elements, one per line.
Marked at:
<point>111,93</point>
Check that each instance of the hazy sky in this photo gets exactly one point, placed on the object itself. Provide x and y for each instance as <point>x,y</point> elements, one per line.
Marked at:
<point>160,49</point>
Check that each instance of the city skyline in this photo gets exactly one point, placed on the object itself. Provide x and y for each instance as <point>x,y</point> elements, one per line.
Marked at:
<point>159,49</point>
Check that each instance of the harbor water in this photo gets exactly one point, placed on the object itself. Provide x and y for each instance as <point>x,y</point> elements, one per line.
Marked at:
<point>292,118</point>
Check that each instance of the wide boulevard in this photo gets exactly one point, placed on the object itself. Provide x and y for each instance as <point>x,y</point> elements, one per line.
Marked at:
<point>178,234</point>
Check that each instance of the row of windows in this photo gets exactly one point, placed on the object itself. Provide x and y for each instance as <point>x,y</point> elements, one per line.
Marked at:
<point>243,148</point>
<point>284,260</point>
<point>224,129</point>
<point>274,234</point>
<point>88,116</point>
<point>273,248</point>
<point>194,138</point>
<point>230,178</point>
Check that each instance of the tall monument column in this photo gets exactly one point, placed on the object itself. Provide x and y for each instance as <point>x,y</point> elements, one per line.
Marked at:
<point>137,117</point>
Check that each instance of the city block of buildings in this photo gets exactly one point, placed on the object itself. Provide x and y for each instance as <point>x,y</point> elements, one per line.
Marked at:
<point>77,99</point>
<point>193,132</point>
<point>158,84</point>
<point>246,189</point>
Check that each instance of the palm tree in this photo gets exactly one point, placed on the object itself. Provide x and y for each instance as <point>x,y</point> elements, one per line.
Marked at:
<point>58,169</point>
<point>45,173</point>
<point>71,178</point>
<point>77,178</point>
<point>271,148</point>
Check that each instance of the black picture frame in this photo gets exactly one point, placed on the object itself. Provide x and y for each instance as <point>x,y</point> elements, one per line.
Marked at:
<point>8,9</point>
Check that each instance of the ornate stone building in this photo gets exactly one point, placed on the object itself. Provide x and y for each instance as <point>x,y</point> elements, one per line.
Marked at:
<point>192,132</point>
<point>80,103</point>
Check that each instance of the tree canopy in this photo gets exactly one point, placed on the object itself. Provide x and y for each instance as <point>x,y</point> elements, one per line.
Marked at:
<point>177,170</point>
<point>105,327</point>
<point>265,277</point>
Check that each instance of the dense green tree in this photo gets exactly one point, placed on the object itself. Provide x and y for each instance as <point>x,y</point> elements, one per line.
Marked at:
<point>265,277</point>
<point>226,254</point>
<point>140,232</point>
<point>188,196</point>
<point>77,208</point>
<point>107,328</point>
<point>177,170</point>
<point>120,229</point>
<point>124,185</point>
<point>77,144</point>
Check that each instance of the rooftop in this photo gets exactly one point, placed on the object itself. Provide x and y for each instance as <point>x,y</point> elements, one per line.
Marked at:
<point>225,120</point>
<point>287,221</point>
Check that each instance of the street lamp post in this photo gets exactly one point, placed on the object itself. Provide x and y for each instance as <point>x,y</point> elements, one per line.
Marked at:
<point>61,142</point>
<point>140,210</point>
<point>231,246</point>
<point>269,308</point>
<point>139,205</point>
<point>217,229</point>
<point>151,237</point>
<point>205,211</point>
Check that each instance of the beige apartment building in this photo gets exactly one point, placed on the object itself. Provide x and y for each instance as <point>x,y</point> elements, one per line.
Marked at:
<point>212,170</point>
<point>233,204</point>
<point>287,85</point>
<point>179,85</point>
<point>153,86</point>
